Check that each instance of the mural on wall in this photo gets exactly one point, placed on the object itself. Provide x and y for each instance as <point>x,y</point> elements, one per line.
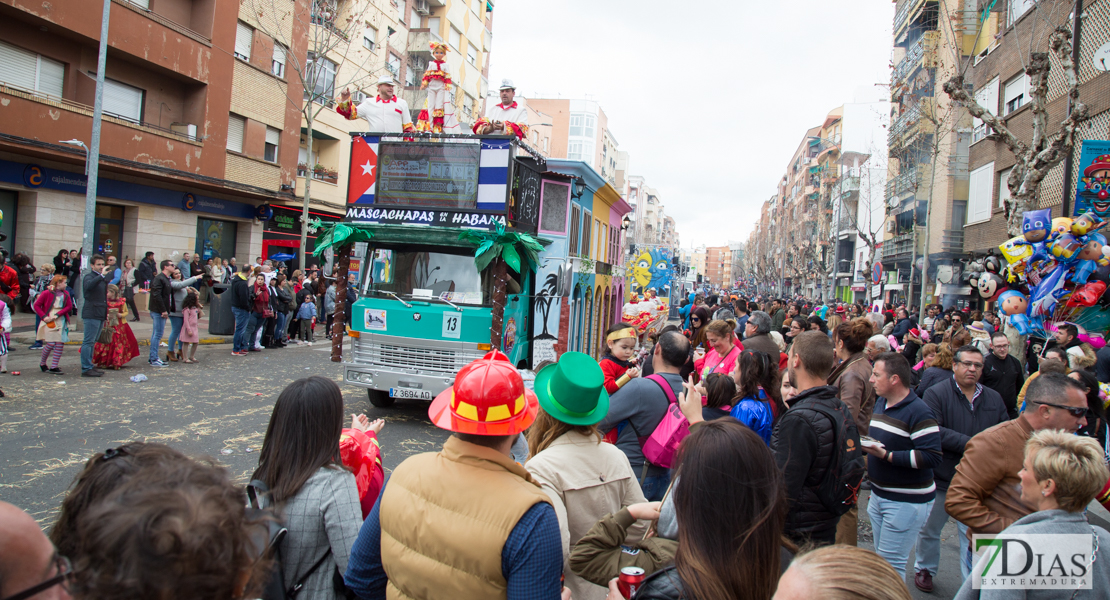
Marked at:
<point>1092,193</point>
<point>651,269</point>
<point>552,280</point>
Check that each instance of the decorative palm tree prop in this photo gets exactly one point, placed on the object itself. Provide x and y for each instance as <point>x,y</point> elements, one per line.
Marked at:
<point>505,249</point>
<point>339,236</point>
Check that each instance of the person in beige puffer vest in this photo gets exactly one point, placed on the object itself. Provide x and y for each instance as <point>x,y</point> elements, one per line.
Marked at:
<point>466,522</point>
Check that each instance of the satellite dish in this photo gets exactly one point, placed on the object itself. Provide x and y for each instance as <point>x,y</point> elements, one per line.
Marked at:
<point>1101,59</point>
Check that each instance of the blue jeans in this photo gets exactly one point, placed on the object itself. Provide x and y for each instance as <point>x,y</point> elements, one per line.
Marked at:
<point>655,486</point>
<point>257,321</point>
<point>92,331</point>
<point>175,331</point>
<point>928,541</point>
<point>967,559</point>
<point>279,327</point>
<point>895,526</point>
<point>158,328</point>
<point>238,343</point>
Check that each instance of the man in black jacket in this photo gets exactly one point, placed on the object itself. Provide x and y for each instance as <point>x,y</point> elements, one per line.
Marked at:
<point>94,289</point>
<point>145,272</point>
<point>241,308</point>
<point>161,290</point>
<point>1003,373</point>
<point>804,441</point>
<point>962,407</point>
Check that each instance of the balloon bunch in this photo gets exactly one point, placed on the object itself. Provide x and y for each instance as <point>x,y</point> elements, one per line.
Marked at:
<point>1056,270</point>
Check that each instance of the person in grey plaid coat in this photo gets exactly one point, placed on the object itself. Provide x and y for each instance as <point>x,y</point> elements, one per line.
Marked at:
<point>316,496</point>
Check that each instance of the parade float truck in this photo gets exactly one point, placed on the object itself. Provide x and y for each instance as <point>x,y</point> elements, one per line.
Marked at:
<point>427,301</point>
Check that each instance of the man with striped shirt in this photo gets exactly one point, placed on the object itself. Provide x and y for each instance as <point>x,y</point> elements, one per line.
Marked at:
<point>901,465</point>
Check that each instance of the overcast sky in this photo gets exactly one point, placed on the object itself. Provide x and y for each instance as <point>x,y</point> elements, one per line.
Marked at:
<point>709,100</point>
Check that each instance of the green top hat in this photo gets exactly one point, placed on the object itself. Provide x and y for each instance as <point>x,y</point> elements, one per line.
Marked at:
<point>573,390</point>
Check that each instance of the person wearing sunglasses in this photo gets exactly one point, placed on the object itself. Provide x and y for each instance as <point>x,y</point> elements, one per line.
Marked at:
<point>30,567</point>
<point>985,493</point>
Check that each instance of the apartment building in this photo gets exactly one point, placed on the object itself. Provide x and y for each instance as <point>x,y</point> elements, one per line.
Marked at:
<point>718,266</point>
<point>928,144</point>
<point>187,157</point>
<point>998,77</point>
<point>580,131</point>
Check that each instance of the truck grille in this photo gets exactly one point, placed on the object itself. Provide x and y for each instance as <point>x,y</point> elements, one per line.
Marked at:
<point>435,360</point>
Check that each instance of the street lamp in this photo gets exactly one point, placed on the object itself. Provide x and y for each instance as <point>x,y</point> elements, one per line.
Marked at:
<point>579,187</point>
<point>83,147</point>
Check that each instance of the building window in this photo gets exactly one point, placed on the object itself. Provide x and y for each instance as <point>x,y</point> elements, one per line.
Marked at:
<point>1003,187</point>
<point>980,194</point>
<point>414,20</point>
<point>273,137</point>
<point>454,38</point>
<point>1016,93</point>
<point>244,37</point>
<point>471,54</point>
<point>1018,8</point>
<point>575,228</point>
<point>583,125</point>
<point>587,228</point>
<point>410,76</point>
<point>433,25</point>
<point>394,65</point>
<point>236,125</point>
<point>278,67</point>
<point>123,101</point>
<point>321,79</point>
<point>30,71</point>
<point>370,38</point>
<point>987,97</point>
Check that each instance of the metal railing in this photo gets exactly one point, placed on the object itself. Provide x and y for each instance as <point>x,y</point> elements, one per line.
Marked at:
<point>909,62</point>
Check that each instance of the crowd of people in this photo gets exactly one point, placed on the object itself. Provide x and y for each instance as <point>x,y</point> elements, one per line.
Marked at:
<point>272,307</point>
<point>721,461</point>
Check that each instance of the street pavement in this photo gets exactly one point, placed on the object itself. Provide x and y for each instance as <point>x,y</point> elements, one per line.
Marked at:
<point>50,425</point>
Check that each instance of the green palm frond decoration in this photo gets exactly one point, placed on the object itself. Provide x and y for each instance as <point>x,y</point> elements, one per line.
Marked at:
<point>333,235</point>
<point>516,249</point>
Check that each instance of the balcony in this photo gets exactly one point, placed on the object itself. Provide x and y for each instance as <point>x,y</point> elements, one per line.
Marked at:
<point>952,240</point>
<point>898,248</point>
<point>922,53</point>
<point>911,123</point>
<point>849,185</point>
<point>905,14</point>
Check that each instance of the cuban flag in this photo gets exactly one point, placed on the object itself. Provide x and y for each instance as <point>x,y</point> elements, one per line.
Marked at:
<point>364,167</point>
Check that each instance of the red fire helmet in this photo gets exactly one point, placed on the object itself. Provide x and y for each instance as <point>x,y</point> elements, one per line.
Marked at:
<point>487,398</point>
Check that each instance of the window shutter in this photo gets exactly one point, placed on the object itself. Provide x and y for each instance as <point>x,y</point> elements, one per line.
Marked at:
<point>141,3</point>
<point>123,101</point>
<point>1003,188</point>
<point>17,66</point>
<point>51,77</point>
<point>244,37</point>
<point>273,136</point>
<point>278,68</point>
<point>980,194</point>
<point>235,127</point>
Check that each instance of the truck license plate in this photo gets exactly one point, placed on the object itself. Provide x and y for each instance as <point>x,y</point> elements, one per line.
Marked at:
<point>410,393</point>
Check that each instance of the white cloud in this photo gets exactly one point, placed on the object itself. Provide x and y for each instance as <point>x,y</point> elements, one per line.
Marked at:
<point>709,99</point>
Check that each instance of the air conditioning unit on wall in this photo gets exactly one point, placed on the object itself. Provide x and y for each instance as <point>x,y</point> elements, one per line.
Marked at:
<point>421,7</point>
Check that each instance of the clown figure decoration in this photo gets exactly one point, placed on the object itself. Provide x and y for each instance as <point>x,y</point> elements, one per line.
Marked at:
<point>438,115</point>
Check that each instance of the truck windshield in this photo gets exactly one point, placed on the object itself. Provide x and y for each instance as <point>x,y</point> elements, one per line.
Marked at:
<point>418,273</point>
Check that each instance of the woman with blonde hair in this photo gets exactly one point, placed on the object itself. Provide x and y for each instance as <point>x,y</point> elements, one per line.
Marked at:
<point>841,573</point>
<point>723,351</point>
<point>1061,474</point>
<point>568,460</point>
<point>941,369</point>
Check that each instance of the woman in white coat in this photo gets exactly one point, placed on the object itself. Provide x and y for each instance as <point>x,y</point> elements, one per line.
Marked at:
<point>585,478</point>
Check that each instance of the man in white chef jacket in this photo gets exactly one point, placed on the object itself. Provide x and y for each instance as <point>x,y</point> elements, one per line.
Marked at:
<point>386,113</point>
<point>505,118</point>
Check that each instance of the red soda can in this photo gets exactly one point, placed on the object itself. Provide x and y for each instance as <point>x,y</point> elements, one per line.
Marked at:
<point>630,580</point>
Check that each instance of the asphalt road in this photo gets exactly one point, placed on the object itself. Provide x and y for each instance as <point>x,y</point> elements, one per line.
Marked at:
<point>50,425</point>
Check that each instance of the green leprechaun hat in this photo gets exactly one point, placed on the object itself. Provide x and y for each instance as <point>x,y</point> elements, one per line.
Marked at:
<point>573,390</point>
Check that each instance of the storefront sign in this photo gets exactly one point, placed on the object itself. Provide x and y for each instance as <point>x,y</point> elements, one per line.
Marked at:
<point>288,220</point>
<point>427,174</point>
<point>438,218</point>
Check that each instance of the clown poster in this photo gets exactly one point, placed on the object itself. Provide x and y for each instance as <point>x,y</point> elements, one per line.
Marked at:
<point>1092,190</point>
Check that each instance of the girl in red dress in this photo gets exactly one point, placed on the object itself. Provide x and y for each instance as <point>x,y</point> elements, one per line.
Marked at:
<point>121,345</point>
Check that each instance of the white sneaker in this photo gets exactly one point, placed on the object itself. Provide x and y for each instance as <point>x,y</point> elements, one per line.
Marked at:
<point>163,345</point>
<point>157,363</point>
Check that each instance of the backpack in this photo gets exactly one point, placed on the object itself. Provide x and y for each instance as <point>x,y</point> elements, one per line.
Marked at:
<point>660,447</point>
<point>839,489</point>
<point>260,500</point>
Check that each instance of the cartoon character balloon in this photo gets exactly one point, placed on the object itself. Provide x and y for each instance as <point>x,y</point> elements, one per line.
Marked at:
<point>990,284</point>
<point>1035,224</point>
<point>1013,304</point>
<point>1086,224</point>
<point>1087,295</point>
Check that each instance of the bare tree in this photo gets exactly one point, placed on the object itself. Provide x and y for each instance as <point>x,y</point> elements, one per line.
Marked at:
<point>332,28</point>
<point>869,230</point>
<point>1045,150</point>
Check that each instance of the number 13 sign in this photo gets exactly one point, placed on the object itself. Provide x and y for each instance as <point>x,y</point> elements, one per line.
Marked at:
<point>452,325</point>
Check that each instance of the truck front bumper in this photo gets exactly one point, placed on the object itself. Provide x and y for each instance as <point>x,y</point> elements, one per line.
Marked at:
<point>421,387</point>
